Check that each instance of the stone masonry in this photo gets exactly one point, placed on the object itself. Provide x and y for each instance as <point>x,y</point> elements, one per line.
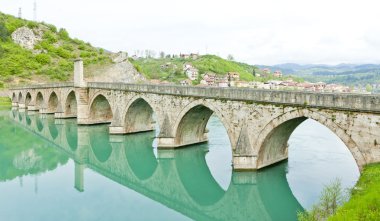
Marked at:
<point>258,122</point>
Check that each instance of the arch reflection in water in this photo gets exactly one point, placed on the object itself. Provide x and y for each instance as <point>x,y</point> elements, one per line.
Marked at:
<point>139,154</point>
<point>179,179</point>
<point>71,131</point>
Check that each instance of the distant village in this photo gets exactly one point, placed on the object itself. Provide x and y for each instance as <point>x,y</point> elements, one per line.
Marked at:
<point>232,79</point>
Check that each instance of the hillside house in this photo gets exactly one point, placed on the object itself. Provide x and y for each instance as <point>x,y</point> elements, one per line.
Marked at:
<point>277,74</point>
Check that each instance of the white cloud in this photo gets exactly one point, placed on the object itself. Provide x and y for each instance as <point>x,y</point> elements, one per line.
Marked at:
<point>259,32</point>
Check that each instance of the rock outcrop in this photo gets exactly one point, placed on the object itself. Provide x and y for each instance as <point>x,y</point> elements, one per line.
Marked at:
<point>121,71</point>
<point>26,37</point>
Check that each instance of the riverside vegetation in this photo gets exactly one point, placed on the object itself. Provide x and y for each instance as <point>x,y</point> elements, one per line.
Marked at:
<point>364,202</point>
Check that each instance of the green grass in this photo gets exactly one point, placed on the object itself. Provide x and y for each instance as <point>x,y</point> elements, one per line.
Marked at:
<point>365,200</point>
<point>5,102</point>
<point>53,62</point>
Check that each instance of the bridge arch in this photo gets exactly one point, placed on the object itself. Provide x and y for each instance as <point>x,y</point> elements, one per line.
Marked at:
<point>71,104</point>
<point>39,100</point>
<point>190,125</point>
<point>272,140</point>
<point>52,104</point>
<point>20,97</point>
<point>100,109</point>
<point>138,115</point>
<point>14,98</point>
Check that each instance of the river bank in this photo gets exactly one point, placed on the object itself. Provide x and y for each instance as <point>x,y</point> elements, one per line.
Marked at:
<point>365,199</point>
<point>5,101</point>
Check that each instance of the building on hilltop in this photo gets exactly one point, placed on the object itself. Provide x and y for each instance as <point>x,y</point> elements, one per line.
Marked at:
<point>277,74</point>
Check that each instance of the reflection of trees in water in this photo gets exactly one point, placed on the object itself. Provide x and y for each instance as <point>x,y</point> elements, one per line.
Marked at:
<point>27,160</point>
<point>23,152</point>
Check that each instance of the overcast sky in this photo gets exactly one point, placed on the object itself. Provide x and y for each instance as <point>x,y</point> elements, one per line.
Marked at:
<point>256,32</point>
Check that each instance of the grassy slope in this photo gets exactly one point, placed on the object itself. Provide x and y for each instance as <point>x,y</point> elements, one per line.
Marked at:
<point>55,63</point>
<point>365,200</point>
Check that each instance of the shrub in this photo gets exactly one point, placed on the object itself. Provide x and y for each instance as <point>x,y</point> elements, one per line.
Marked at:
<point>63,34</point>
<point>331,198</point>
<point>85,54</point>
<point>50,37</point>
<point>63,53</point>
<point>32,24</point>
<point>43,59</point>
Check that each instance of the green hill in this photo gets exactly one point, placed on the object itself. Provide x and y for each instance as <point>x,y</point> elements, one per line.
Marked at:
<point>51,58</point>
<point>152,68</point>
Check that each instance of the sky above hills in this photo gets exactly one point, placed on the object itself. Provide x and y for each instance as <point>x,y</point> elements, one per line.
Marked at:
<point>256,32</point>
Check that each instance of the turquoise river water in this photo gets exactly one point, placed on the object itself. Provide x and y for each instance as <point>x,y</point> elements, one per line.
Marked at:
<point>55,170</point>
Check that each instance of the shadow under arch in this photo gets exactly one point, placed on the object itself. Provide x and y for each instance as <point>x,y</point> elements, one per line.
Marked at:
<point>28,120</point>
<point>275,136</point>
<point>139,154</point>
<point>14,99</point>
<point>19,116</point>
<point>52,103</point>
<point>20,97</point>
<point>28,98</point>
<point>190,127</point>
<point>139,116</point>
<point>71,105</point>
<point>100,110</point>
<point>39,100</point>
<point>196,177</point>
<point>40,125</point>
<point>99,141</point>
<point>71,132</point>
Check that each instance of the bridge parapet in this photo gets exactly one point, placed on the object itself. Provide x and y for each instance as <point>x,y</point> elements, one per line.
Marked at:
<point>340,101</point>
<point>44,86</point>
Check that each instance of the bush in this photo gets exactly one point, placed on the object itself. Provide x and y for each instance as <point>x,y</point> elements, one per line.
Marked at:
<point>50,37</point>
<point>65,65</point>
<point>63,53</point>
<point>63,34</point>
<point>85,54</point>
<point>332,197</point>
<point>43,59</point>
<point>32,24</point>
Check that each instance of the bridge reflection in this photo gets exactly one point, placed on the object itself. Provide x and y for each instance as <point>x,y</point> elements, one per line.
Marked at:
<point>179,179</point>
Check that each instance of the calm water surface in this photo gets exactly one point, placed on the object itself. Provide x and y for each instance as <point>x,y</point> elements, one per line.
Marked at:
<point>54,170</point>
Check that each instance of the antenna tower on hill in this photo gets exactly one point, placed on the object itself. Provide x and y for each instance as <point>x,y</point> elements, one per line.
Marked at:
<point>35,11</point>
<point>19,12</point>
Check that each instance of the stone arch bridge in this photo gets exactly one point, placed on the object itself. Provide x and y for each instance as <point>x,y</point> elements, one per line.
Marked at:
<point>258,122</point>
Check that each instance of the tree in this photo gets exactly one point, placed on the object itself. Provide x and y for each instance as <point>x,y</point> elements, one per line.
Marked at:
<point>162,54</point>
<point>254,72</point>
<point>368,88</point>
<point>230,57</point>
<point>331,198</point>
